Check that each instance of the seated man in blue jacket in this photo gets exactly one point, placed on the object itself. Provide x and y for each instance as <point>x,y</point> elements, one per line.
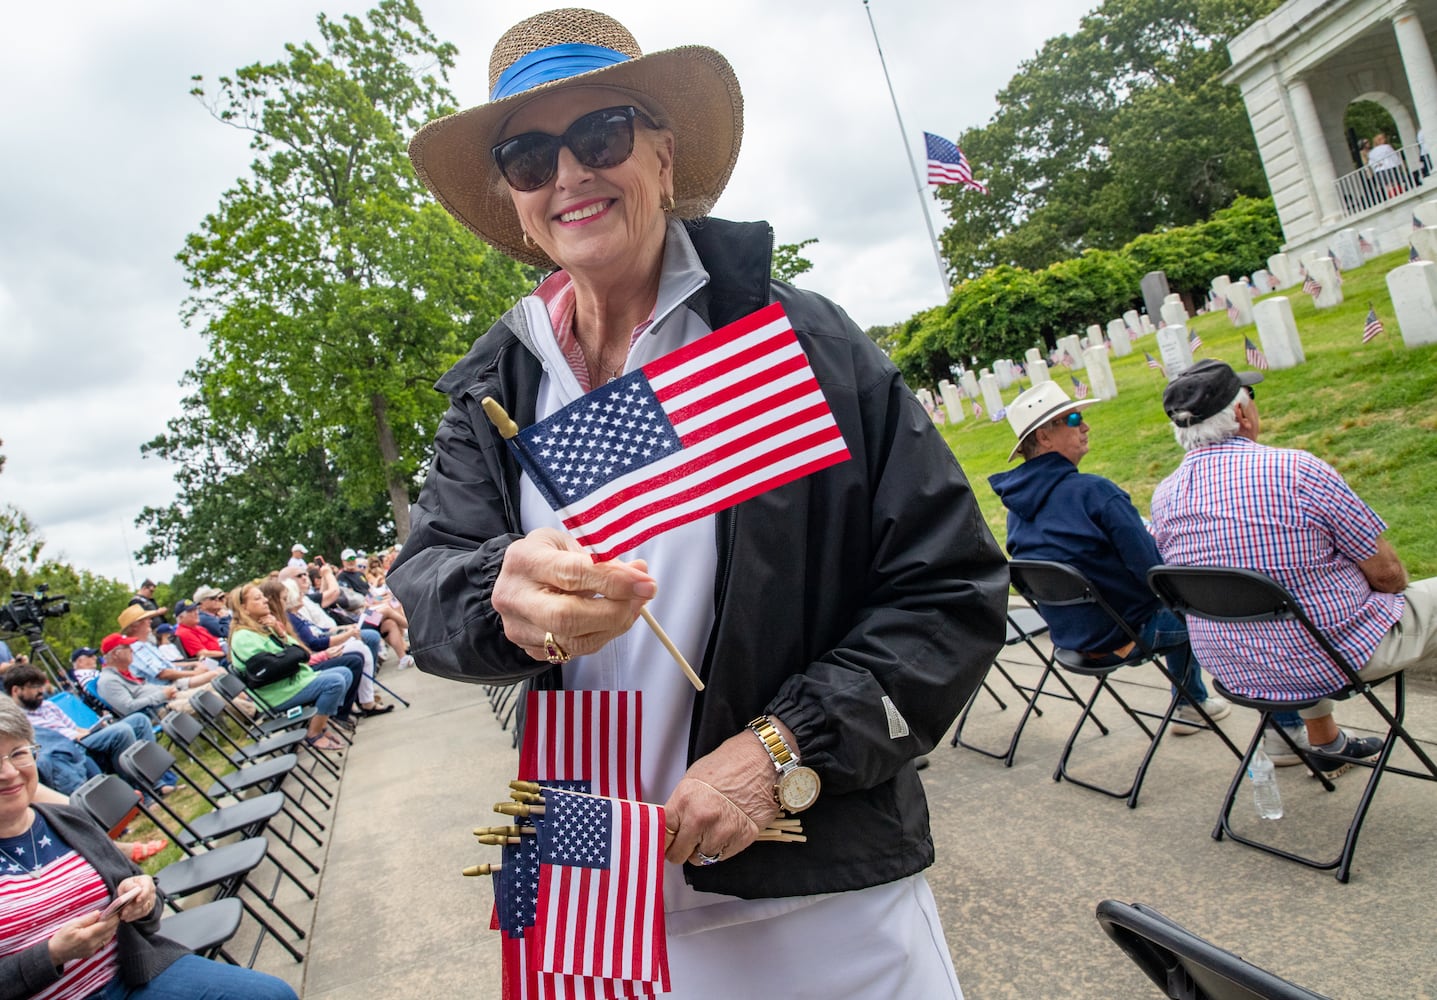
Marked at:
<point>1059,514</point>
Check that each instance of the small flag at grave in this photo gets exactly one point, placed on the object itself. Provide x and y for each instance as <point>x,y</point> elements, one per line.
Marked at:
<point>1416,222</point>
<point>1255,357</point>
<point>1080,388</point>
<point>977,408</point>
<point>1067,359</point>
<point>1194,341</point>
<point>1336,264</point>
<point>1365,245</point>
<point>1232,314</point>
<point>1412,254</point>
<point>1153,364</point>
<point>947,164</point>
<point>1311,285</point>
<point>1132,334</point>
<point>1272,281</point>
<point>1373,327</point>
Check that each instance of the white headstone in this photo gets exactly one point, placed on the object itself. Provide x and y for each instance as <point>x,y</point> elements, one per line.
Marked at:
<point>1132,319</point>
<point>1174,351</point>
<point>952,402</point>
<point>1095,336</point>
<point>1277,332</point>
<point>969,381</point>
<point>1146,324</point>
<point>1069,345</point>
<point>1033,355</point>
<point>1309,256</point>
<point>1427,212</point>
<point>925,397</point>
<point>1281,265</point>
<point>1323,270</point>
<point>1374,243</point>
<point>1424,241</point>
<point>992,401</point>
<point>1003,372</point>
<point>1344,245</point>
<point>1413,288</point>
<point>1174,314</point>
<point>1261,282</point>
<point>1100,373</point>
<point>1220,286</point>
<point>1118,338</point>
<point>1241,299</point>
<point>1038,371</point>
<point>1171,298</point>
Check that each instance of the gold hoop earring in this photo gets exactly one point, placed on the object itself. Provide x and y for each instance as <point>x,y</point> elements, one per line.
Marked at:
<point>669,204</point>
<point>528,242</point>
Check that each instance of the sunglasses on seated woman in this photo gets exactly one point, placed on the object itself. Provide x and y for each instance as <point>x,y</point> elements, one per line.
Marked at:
<point>599,139</point>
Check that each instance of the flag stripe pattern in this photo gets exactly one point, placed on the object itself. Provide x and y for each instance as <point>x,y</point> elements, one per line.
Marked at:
<point>601,888</point>
<point>1080,388</point>
<point>1373,327</point>
<point>732,415</point>
<point>587,736</point>
<point>947,164</point>
<point>1255,357</point>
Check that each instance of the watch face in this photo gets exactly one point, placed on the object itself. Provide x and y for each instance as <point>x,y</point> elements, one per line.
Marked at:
<point>798,789</point>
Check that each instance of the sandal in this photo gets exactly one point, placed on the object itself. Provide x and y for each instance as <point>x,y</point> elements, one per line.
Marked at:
<point>142,850</point>
<point>324,742</point>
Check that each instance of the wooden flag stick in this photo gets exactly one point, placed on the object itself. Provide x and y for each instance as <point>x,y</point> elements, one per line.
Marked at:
<point>507,430</point>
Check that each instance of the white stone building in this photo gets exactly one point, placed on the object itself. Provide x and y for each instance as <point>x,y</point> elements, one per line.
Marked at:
<point>1298,69</point>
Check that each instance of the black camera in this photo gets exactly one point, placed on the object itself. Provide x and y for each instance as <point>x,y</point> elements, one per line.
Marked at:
<point>27,612</point>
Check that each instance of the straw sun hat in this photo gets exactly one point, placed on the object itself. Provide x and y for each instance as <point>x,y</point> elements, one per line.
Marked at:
<point>691,90</point>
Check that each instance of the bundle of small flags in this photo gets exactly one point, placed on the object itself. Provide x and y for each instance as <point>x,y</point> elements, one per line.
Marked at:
<point>1080,388</point>
<point>1373,327</point>
<point>1255,357</point>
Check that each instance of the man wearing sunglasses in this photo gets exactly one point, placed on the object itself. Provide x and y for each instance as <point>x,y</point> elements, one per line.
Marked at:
<point>1059,514</point>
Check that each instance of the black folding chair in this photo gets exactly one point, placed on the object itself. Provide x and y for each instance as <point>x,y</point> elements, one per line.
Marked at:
<point>225,869</point>
<point>1024,625</point>
<point>205,929</point>
<point>210,707</point>
<point>1060,585</point>
<point>267,721</point>
<point>1228,594</point>
<point>1185,966</point>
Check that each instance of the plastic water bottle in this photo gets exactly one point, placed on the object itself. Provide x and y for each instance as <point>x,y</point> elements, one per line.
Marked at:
<point>1265,793</point>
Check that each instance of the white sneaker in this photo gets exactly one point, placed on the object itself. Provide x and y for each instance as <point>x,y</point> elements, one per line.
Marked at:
<point>1187,721</point>
<point>405,662</point>
<point>1278,751</point>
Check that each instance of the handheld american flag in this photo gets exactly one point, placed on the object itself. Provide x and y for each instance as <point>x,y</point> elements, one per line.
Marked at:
<point>600,910</point>
<point>1255,357</point>
<point>584,736</point>
<point>732,415</point>
<point>947,164</point>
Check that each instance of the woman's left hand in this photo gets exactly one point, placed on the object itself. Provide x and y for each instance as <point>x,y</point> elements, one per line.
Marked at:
<point>723,801</point>
<point>142,905</point>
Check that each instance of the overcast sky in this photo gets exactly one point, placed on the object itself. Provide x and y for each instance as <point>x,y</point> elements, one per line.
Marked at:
<point>108,164</point>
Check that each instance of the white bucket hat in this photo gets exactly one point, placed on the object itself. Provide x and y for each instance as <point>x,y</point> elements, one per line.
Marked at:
<point>1036,406</point>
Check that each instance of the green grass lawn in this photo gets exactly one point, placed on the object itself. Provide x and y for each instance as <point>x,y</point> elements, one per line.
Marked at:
<point>1368,409</point>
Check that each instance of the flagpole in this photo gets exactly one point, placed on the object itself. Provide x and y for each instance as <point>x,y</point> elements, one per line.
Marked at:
<point>919,186</point>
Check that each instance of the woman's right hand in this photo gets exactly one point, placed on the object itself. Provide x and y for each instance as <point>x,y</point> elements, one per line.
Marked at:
<point>82,937</point>
<point>548,584</point>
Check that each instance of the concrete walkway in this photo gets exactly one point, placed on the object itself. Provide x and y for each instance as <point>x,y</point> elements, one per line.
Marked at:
<point>1022,861</point>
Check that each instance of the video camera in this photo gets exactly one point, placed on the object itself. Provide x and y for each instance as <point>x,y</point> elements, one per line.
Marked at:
<point>27,612</point>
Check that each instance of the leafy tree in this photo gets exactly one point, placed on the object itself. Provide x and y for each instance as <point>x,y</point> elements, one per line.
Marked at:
<point>331,291</point>
<point>789,262</point>
<point>1107,133</point>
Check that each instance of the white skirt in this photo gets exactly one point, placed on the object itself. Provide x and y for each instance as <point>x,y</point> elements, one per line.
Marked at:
<point>883,941</point>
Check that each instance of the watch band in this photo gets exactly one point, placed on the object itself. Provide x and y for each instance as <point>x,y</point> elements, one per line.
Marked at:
<point>782,755</point>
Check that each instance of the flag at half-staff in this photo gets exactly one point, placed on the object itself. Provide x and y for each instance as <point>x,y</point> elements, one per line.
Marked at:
<point>947,164</point>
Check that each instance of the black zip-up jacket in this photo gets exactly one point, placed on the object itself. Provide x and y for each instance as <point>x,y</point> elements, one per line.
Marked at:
<point>872,579</point>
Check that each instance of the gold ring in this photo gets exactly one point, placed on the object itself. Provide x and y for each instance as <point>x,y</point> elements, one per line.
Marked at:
<point>555,653</point>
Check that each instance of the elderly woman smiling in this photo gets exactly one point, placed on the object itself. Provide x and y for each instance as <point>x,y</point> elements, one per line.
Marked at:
<point>58,872</point>
<point>839,622</point>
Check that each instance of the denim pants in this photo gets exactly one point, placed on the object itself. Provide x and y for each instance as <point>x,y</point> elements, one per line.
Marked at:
<point>1166,633</point>
<point>195,978</point>
<point>111,741</point>
<point>325,692</point>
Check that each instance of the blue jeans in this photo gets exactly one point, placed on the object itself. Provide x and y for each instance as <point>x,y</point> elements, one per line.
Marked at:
<point>326,692</point>
<point>195,978</point>
<point>374,641</point>
<point>64,765</point>
<point>1166,633</point>
<point>111,741</point>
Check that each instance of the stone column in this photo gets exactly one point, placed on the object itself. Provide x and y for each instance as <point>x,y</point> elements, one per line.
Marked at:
<point>1421,75</point>
<point>1314,148</point>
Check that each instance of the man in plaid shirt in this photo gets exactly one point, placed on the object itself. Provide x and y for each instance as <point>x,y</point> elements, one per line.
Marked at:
<point>1288,514</point>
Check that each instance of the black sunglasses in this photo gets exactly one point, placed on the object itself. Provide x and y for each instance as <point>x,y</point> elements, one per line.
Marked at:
<point>1251,392</point>
<point>599,139</point>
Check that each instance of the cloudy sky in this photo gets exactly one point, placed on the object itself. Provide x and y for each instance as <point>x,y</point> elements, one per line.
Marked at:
<point>108,164</point>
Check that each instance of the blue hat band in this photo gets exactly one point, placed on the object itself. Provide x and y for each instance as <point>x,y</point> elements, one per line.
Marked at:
<point>553,62</point>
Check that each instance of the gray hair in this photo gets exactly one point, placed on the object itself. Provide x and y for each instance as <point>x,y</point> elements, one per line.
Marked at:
<point>14,724</point>
<point>1219,427</point>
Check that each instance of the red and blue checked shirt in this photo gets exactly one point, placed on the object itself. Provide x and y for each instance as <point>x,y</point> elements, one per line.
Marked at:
<point>1290,515</point>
